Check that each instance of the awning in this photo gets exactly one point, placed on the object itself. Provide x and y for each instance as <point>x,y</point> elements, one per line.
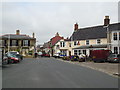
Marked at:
<point>92,46</point>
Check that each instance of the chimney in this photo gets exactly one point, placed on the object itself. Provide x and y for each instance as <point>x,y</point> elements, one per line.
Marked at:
<point>75,27</point>
<point>106,21</point>
<point>57,34</point>
<point>33,35</point>
<point>17,32</point>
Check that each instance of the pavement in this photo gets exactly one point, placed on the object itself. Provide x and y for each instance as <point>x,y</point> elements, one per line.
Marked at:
<point>52,73</point>
<point>109,68</point>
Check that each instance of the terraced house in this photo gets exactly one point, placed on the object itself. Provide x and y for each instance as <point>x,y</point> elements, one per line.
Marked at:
<point>22,43</point>
<point>83,40</point>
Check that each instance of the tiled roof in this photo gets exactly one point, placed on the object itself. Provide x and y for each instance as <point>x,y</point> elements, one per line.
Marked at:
<point>14,36</point>
<point>93,32</point>
<point>55,39</point>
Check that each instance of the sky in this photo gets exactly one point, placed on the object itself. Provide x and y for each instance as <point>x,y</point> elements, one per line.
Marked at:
<point>45,19</point>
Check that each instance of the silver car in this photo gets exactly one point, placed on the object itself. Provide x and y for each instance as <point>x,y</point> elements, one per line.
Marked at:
<point>114,58</point>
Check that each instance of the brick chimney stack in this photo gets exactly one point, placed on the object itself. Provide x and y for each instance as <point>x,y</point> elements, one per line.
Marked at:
<point>75,27</point>
<point>17,32</point>
<point>106,21</point>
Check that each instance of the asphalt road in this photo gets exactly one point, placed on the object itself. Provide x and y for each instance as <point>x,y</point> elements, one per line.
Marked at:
<point>52,73</point>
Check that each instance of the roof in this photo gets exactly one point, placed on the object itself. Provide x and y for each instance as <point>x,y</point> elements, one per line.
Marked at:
<point>94,32</point>
<point>14,36</point>
<point>55,39</point>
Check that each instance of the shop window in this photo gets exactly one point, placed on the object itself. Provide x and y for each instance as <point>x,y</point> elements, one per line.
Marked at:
<point>84,52</point>
<point>115,50</point>
<point>79,52</point>
<point>75,52</point>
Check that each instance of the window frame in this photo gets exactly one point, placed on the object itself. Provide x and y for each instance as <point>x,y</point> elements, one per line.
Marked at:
<point>99,42</point>
<point>87,42</point>
<point>115,36</point>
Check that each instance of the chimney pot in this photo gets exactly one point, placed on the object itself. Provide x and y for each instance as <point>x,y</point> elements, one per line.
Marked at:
<point>75,27</point>
<point>17,32</point>
<point>106,21</point>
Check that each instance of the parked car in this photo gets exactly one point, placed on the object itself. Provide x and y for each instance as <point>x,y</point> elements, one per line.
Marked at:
<point>56,55</point>
<point>13,58</point>
<point>39,53</point>
<point>45,55</point>
<point>15,53</point>
<point>62,55</point>
<point>82,58</point>
<point>74,58</point>
<point>114,58</point>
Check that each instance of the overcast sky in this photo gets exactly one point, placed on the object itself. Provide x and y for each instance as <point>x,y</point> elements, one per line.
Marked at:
<point>45,19</point>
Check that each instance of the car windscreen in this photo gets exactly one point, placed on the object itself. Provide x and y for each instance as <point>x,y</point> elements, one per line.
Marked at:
<point>14,53</point>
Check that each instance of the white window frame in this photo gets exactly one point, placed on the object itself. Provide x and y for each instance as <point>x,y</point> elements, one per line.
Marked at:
<point>98,41</point>
<point>25,42</point>
<point>114,36</point>
<point>87,42</point>
<point>14,42</point>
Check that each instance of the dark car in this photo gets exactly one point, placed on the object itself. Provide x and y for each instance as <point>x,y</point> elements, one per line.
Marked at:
<point>114,58</point>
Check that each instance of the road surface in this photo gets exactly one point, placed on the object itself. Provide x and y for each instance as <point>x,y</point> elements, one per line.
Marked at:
<point>52,73</point>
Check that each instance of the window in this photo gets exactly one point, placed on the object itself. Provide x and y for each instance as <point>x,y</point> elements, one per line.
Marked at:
<point>25,42</point>
<point>69,44</point>
<point>75,43</point>
<point>87,42</point>
<point>2,42</point>
<point>63,52</point>
<point>115,50</point>
<point>98,41</point>
<point>79,52</point>
<point>62,44</point>
<point>84,52</point>
<point>14,42</point>
<point>57,47</point>
<point>114,36</point>
<point>75,52</point>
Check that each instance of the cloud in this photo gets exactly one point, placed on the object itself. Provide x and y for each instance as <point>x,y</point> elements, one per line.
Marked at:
<point>45,19</point>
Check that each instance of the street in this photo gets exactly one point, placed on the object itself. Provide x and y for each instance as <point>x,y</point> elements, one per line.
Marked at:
<point>52,73</point>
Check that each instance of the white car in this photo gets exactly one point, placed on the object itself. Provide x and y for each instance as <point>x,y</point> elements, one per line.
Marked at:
<point>56,55</point>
